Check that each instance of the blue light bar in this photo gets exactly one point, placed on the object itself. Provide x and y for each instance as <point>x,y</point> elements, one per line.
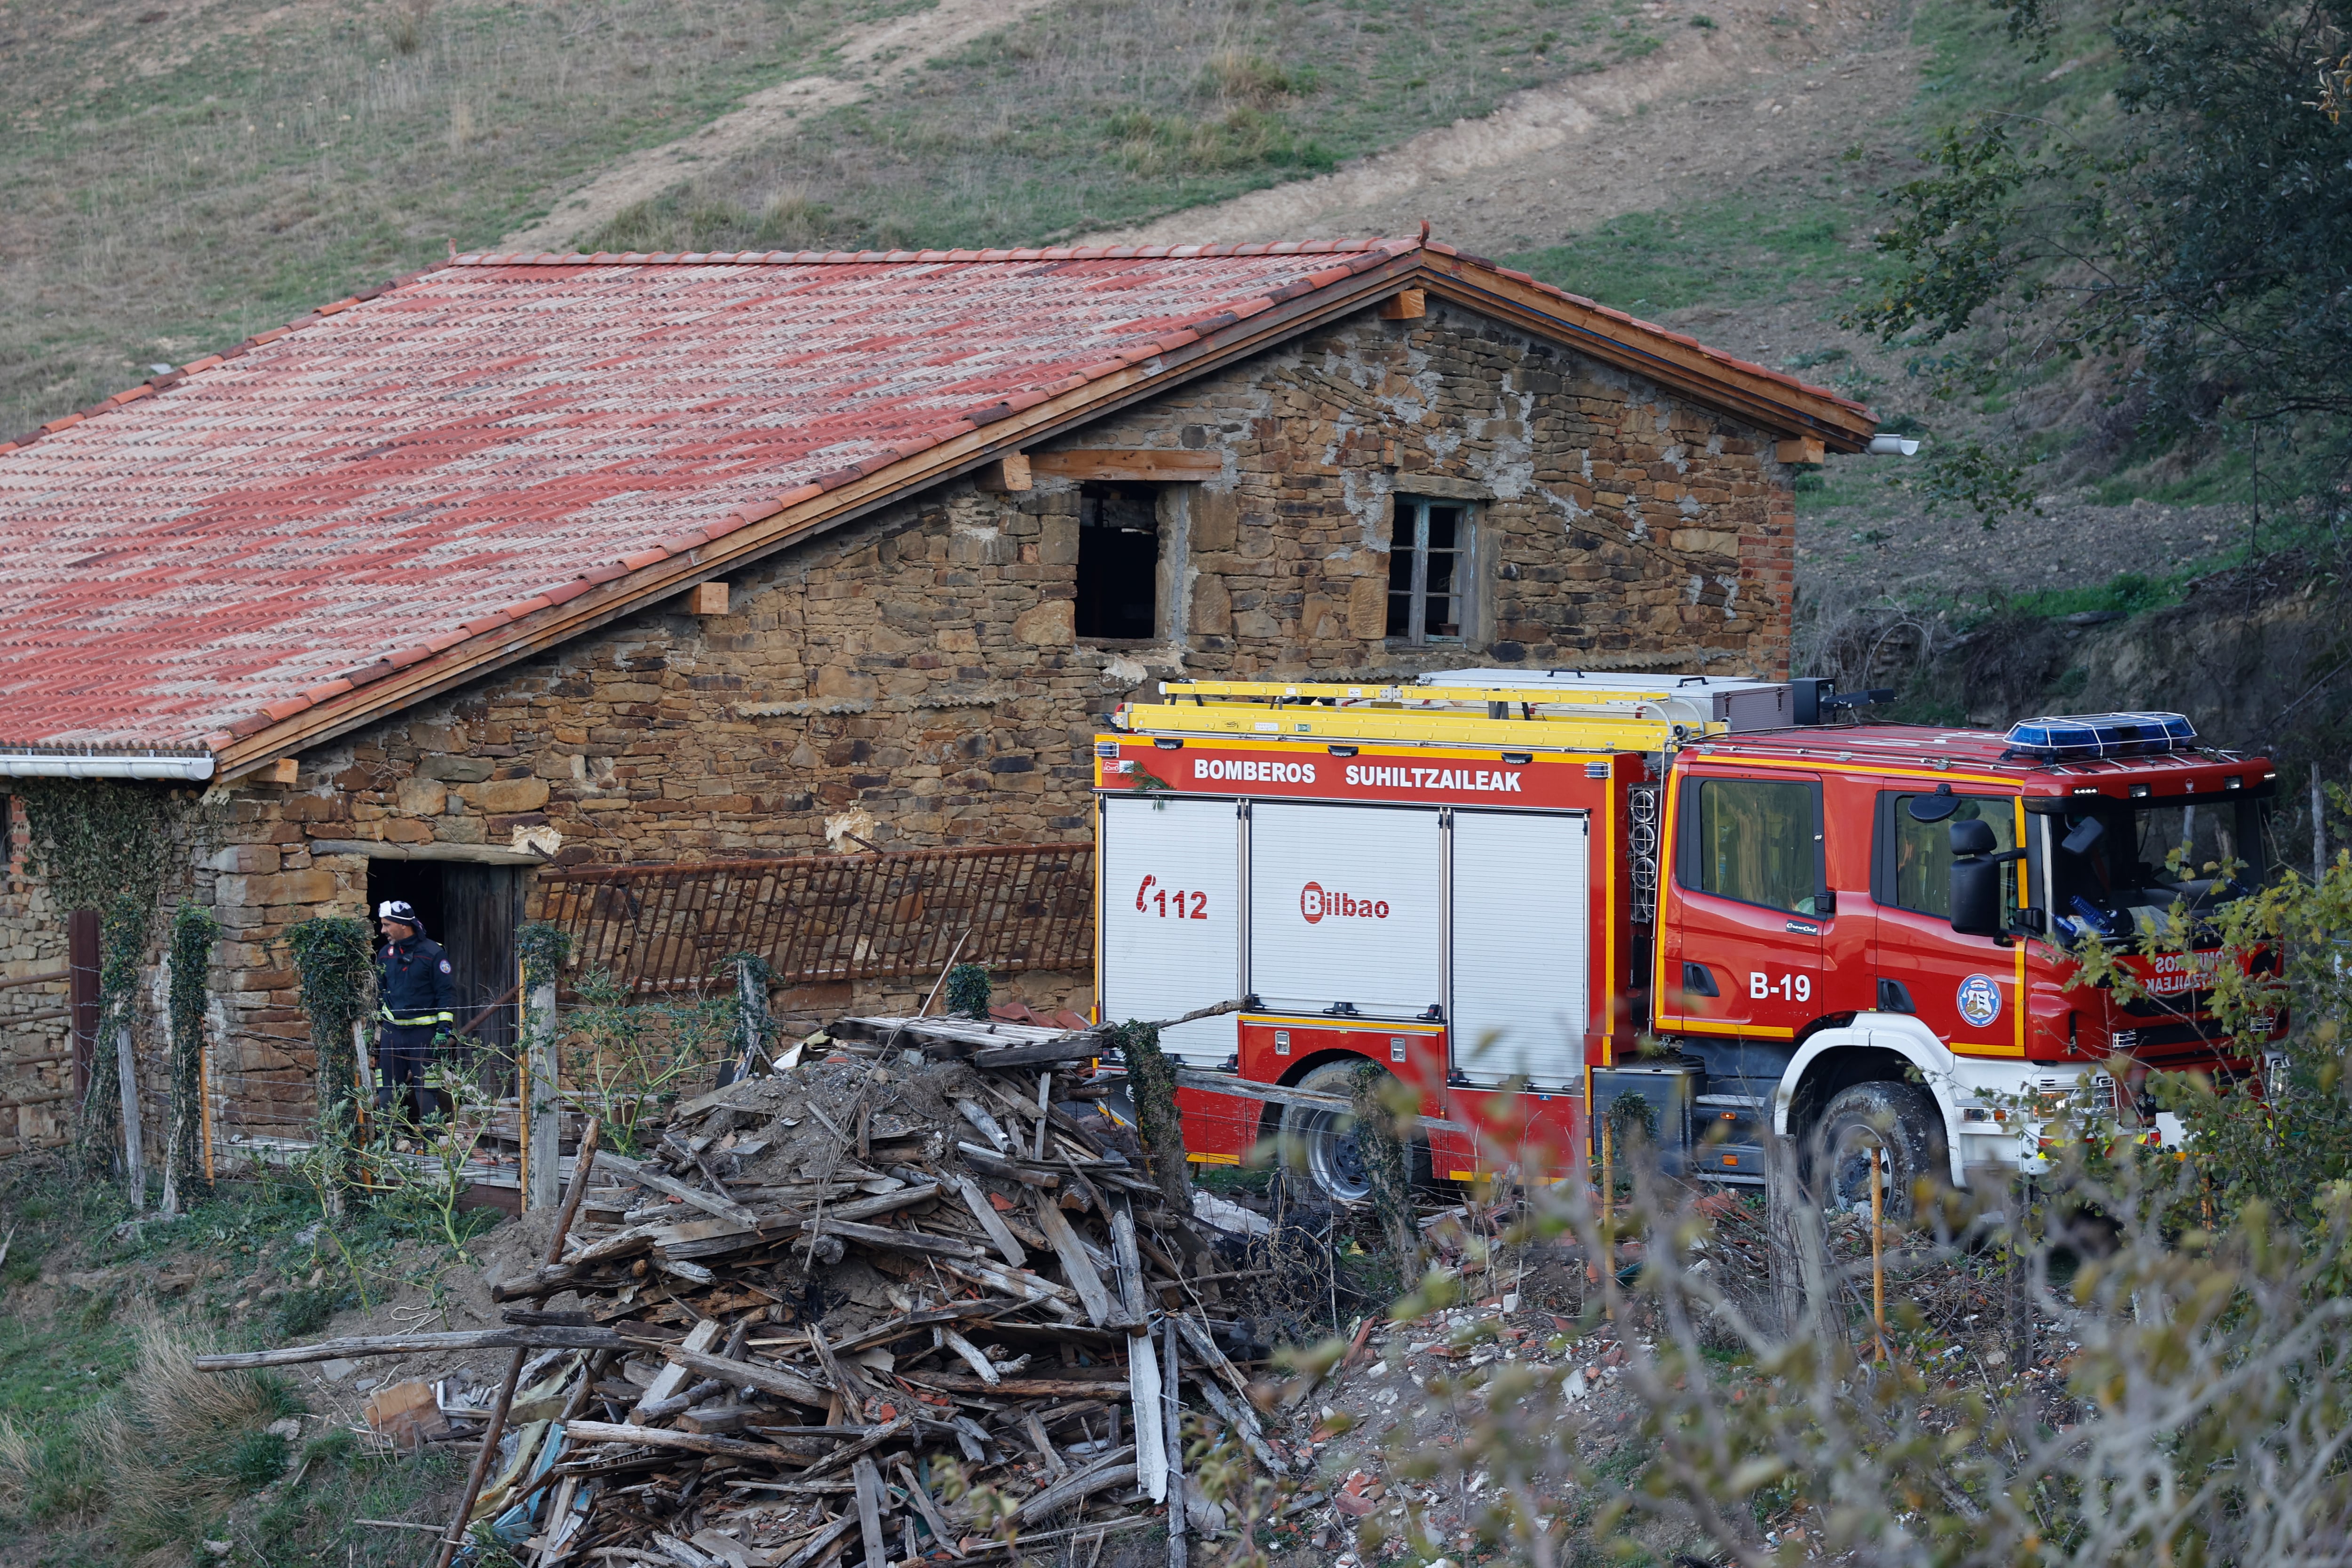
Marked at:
<point>2076,737</point>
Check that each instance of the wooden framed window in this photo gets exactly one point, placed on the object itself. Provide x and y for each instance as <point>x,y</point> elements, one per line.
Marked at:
<point>1428,577</point>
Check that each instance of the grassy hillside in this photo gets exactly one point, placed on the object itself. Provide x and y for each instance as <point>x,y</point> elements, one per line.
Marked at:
<point>178,173</point>
<point>1095,114</point>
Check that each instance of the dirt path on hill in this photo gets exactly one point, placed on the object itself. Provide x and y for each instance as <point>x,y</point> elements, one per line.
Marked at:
<point>1774,89</point>
<point>865,54</point>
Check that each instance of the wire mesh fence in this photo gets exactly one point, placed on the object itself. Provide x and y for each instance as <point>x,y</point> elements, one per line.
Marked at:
<point>829,917</point>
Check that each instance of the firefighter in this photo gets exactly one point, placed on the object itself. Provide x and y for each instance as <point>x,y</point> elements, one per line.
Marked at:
<point>416,1010</point>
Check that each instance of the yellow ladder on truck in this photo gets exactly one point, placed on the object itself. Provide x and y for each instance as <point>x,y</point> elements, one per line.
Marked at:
<point>1549,718</point>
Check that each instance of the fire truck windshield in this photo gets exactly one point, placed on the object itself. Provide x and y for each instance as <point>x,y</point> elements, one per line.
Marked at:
<point>2117,867</point>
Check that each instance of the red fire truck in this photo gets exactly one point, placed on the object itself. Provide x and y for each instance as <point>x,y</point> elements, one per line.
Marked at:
<point>1529,895</point>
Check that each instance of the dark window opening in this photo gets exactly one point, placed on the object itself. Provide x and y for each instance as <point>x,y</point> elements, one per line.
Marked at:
<point>1119,563</point>
<point>1424,571</point>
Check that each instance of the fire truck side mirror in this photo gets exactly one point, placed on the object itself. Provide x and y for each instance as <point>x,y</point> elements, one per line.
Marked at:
<point>1976,893</point>
<point>1934,807</point>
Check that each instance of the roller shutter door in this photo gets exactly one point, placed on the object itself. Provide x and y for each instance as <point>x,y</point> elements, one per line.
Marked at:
<point>1522,966</point>
<point>1168,911</point>
<point>1344,907</point>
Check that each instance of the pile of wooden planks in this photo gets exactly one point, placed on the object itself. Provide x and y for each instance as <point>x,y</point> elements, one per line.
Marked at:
<point>908,1300</point>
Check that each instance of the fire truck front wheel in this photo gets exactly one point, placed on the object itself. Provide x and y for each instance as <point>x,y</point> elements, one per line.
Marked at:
<point>1323,1144</point>
<point>1897,1121</point>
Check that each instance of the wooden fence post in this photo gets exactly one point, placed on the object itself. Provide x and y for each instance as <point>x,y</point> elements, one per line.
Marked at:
<point>544,1152</point>
<point>127,1073</point>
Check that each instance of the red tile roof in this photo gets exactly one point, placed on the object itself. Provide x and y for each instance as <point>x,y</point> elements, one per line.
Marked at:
<point>254,536</point>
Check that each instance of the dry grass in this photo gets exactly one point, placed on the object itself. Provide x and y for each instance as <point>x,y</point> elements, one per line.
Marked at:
<point>174,186</point>
<point>20,1453</point>
<point>180,1447</point>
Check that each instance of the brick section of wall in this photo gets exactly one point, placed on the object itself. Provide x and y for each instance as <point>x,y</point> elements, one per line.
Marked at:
<point>913,679</point>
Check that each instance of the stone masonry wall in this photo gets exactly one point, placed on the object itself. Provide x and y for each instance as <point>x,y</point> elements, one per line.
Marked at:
<point>36,1057</point>
<point>913,679</point>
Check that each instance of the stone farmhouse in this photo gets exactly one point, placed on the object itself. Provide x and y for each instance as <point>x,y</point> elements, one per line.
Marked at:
<point>527,582</point>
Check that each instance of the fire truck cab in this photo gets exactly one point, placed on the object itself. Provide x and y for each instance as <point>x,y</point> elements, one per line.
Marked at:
<point>1531,896</point>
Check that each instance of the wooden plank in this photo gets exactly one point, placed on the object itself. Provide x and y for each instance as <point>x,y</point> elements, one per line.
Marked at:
<point>921,1497</point>
<point>1150,1441</point>
<point>1800,449</point>
<point>1114,1468</point>
<point>1405,305</point>
<point>1015,1387</point>
<point>416,1344</point>
<point>914,1323</point>
<point>1034,1430</point>
<point>893,1241</point>
<point>1142,464</point>
<point>875,1438</point>
<point>646,1176</point>
<point>1172,1370</point>
<point>1075,1047</point>
<point>822,1543</point>
<point>976,1201</point>
<point>750,1373</point>
<point>663,1438</point>
<point>1076,1267</point>
<point>1130,1258</point>
<point>707,599</point>
<point>982,1367</point>
<point>869,1513</point>
<point>673,1377</point>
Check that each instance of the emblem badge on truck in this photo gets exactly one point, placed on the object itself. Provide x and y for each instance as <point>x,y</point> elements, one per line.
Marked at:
<point>1979,1000</point>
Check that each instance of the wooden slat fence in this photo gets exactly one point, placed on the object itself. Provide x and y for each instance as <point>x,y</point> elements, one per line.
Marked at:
<point>829,917</point>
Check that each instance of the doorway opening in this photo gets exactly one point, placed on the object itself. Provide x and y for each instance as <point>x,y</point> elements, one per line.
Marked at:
<point>472,911</point>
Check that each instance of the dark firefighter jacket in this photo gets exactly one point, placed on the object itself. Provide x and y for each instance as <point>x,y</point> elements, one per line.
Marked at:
<point>414,984</point>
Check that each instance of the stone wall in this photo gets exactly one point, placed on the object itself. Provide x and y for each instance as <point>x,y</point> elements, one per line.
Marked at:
<point>36,1057</point>
<point>913,679</point>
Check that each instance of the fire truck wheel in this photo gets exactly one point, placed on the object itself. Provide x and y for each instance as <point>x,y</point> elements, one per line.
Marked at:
<point>1897,1117</point>
<point>1322,1143</point>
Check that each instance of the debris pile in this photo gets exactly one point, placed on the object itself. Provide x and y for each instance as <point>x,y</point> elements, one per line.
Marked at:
<point>909,1301</point>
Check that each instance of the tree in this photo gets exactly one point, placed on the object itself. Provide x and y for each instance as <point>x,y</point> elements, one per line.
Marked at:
<point>2200,249</point>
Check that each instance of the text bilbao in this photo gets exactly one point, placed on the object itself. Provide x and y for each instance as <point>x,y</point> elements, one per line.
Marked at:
<point>1364,775</point>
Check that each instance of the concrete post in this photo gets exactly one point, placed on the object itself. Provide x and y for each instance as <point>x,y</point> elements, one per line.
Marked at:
<point>751,1006</point>
<point>127,1071</point>
<point>546,1157</point>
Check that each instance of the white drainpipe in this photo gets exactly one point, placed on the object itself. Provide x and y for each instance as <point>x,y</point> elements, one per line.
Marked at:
<point>104,766</point>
